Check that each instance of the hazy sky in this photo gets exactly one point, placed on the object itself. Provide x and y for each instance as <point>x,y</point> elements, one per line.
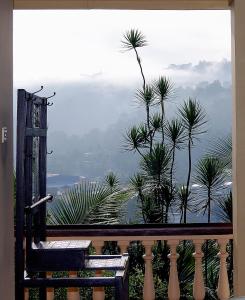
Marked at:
<point>85,45</point>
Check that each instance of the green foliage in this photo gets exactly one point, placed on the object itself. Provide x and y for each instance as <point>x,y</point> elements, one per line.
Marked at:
<point>193,117</point>
<point>155,164</point>
<point>135,139</point>
<point>112,181</point>
<point>210,175</point>
<point>146,96</point>
<point>175,133</point>
<point>224,210</point>
<point>163,88</point>
<point>222,149</point>
<point>88,203</point>
<point>210,172</point>
<point>133,39</point>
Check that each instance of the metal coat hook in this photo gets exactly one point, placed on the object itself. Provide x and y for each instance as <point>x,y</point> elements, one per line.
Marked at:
<point>50,152</point>
<point>50,103</point>
<point>38,90</point>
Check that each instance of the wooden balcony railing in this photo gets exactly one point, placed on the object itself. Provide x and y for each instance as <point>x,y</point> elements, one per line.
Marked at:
<point>148,235</point>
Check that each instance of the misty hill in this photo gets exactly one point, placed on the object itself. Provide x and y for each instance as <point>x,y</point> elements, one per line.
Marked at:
<point>87,124</point>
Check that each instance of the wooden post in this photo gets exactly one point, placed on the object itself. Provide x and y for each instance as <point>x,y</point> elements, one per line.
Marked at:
<point>149,289</point>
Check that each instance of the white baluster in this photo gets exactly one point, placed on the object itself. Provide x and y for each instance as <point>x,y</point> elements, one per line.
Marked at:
<point>50,291</point>
<point>173,284</point>
<point>149,289</point>
<point>123,246</point>
<point>73,293</point>
<point>98,292</point>
<point>223,290</point>
<point>198,285</point>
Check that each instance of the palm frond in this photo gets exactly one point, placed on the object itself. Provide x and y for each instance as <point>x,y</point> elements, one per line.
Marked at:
<point>193,117</point>
<point>222,149</point>
<point>146,96</point>
<point>133,39</point>
<point>112,181</point>
<point>163,88</point>
<point>134,139</point>
<point>224,210</point>
<point>137,182</point>
<point>156,163</point>
<point>111,210</point>
<point>75,204</point>
<point>174,131</point>
<point>156,121</point>
<point>210,172</point>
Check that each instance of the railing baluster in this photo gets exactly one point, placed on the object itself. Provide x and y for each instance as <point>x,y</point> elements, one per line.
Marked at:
<point>198,285</point>
<point>50,291</point>
<point>123,245</point>
<point>26,294</point>
<point>149,289</point>
<point>98,292</point>
<point>73,293</point>
<point>173,284</point>
<point>223,290</point>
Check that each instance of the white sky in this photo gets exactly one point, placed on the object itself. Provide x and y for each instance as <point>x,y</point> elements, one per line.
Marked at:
<point>63,46</point>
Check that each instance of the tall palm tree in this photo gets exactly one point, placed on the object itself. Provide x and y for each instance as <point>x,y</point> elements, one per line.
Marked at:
<point>134,39</point>
<point>193,119</point>
<point>155,166</point>
<point>163,88</point>
<point>175,134</point>
<point>210,175</point>
<point>147,97</point>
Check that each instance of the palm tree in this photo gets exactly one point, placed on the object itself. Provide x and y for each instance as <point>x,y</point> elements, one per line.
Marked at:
<point>193,119</point>
<point>174,132</point>
<point>163,88</point>
<point>155,165</point>
<point>210,175</point>
<point>134,39</point>
<point>147,97</point>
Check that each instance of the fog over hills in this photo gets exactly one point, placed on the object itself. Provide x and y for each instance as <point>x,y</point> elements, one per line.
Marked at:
<point>89,118</point>
<point>88,121</point>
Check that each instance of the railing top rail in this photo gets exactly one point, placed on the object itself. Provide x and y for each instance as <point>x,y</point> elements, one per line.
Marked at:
<point>196,229</point>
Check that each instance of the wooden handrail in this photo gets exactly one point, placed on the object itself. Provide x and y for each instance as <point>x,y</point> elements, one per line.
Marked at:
<point>140,230</point>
